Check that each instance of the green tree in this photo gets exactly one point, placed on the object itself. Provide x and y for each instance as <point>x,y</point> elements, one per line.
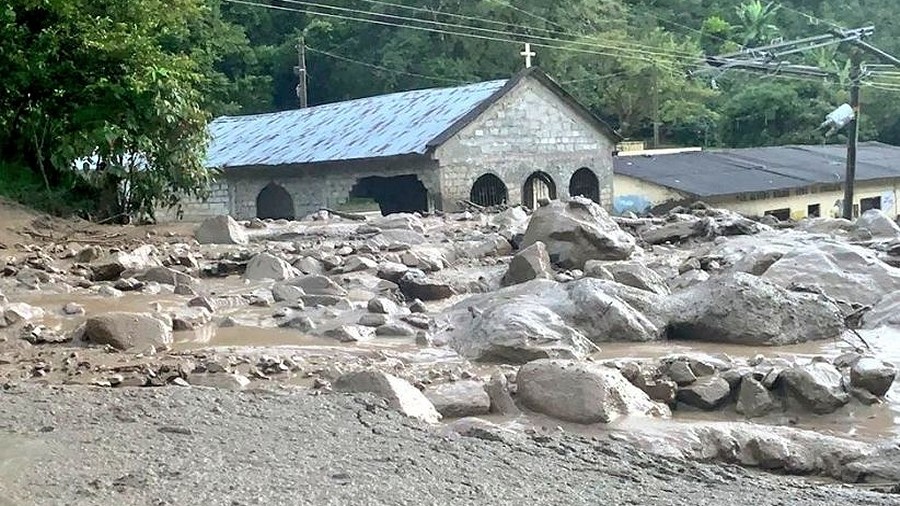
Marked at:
<point>757,22</point>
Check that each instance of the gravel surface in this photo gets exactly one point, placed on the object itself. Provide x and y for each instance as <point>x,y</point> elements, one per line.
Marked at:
<point>82,445</point>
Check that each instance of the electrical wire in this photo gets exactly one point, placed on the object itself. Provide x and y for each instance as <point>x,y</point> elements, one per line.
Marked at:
<point>815,20</point>
<point>385,69</point>
<point>492,33</point>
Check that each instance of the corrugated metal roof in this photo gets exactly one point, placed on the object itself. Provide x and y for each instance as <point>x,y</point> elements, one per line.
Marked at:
<point>386,125</point>
<point>724,172</point>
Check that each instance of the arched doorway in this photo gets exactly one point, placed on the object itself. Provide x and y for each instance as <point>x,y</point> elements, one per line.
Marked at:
<point>488,190</point>
<point>584,183</point>
<point>274,202</point>
<point>398,194</point>
<point>538,186</point>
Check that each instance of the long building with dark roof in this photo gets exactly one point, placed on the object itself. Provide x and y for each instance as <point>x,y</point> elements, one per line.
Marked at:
<point>784,181</point>
<point>512,141</point>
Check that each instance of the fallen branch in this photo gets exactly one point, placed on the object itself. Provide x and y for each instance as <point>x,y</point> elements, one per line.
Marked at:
<point>860,337</point>
<point>346,216</point>
<point>471,205</point>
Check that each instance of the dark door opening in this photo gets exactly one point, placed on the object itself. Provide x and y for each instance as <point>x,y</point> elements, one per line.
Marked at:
<point>781,214</point>
<point>538,186</point>
<point>488,191</point>
<point>274,202</point>
<point>398,194</point>
<point>584,183</point>
<point>870,203</point>
<point>813,211</point>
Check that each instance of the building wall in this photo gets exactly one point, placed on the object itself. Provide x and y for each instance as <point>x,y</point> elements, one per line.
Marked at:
<point>629,190</point>
<point>826,197</point>
<point>635,195</point>
<point>190,209</point>
<point>530,129</point>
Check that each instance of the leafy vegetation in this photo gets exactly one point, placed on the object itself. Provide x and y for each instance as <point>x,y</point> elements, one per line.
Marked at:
<point>129,85</point>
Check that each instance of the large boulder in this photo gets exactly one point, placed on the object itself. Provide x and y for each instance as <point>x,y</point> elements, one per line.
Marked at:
<point>706,393</point>
<point>415,284</point>
<point>530,263</point>
<point>873,376</point>
<point>886,313</point>
<point>637,275</point>
<point>582,392</point>
<point>754,399</point>
<point>400,395</point>
<point>126,331</point>
<point>576,231</point>
<point>401,221</point>
<point>878,224</point>
<point>741,308</point>
<point>110,267</point>
<point>545,319</point>
<point>817,386</point>
<point>167,276</point>
<point>842,271</point>
<point>269,266</point>
<point>318,285</point>
<point>220,230</point>
<point>460,399</point>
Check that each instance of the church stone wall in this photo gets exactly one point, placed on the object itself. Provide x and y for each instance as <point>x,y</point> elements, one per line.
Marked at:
<point>529,129</point>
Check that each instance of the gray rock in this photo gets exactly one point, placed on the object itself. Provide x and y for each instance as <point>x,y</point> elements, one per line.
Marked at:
<point>221,230</point>
<point>680,372</point>
<point>402,221</point>
<point>73,309</point>
<point>350,333</point>
<point>744,309</point>
<point>324,300</point>
<point>675,231</point>
<point>754,400</point>
<point>383,305</point>
<point>372,320</point>
<point>416,285</point>
<point>661,390</point>
<point>878,224</point>
<point>577,231</point>
<point>287,293</point>
<point>302,323</point>
<point>638,276</point>
<point>530,263</point>
<point>309,266</point>
<point>126,331</point>
<point>399,393</point>
<point>167,276</point>
<point>459,399</point>
<point>392,271</point>
<point>112,266</point>
<point>268,266</point>
<point>873,376</point>
<point>688,279</point>
<point>706,393</point>
<point>597,269</point>
<point>223,381</point>
<point>501,401</point>
<point>395,330</point>
<point>318,285</point>
<point>582,392</point>
<point>358,263</point>
<point>818,386</point>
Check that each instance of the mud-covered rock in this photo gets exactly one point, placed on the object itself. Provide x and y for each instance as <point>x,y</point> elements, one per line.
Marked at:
<point>415,284</point>
<point>576,231</point>
<point>582,392</point>
<point>707,393</point>
<point>126,331</point>
<point>400,395</point>
<point>637,275</point>
<point>744,309</point>
<point>878,224</point>
<point>530,263</point>
<point>754,400</point>
<point>221,230</point>
<point>459,399</point>
<point>817,386</point>
<point>268,266</point>
<point>873,376</point>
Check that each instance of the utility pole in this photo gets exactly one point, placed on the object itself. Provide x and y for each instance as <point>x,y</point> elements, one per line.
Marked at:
<point>655,107</point>
<point>852,132</point>
<point>300,70</point>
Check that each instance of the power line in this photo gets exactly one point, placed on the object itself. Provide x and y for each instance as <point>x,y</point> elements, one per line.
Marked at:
<point>815,20</point>
<point>491,32</point>
<point>385,69</point>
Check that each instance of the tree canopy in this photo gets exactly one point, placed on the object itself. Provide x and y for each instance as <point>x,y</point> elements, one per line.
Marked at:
<point>129,86</point>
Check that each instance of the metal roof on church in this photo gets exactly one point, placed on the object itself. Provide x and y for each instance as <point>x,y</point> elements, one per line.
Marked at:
<point>731,171</point>
<point>382,126</point>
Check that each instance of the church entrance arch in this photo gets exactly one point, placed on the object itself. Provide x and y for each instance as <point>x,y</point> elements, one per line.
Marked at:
<point>584,183</point>
<point>539,186</point>
<point>274,202</point>
<point>488,190</point>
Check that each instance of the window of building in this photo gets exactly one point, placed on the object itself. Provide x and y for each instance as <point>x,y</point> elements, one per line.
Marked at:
<point>856,210</point>
<point>781,214</point>
<point>870,203</point>
<point>814,211</point>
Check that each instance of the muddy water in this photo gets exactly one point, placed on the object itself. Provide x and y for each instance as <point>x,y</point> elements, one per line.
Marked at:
<point>854,420</point>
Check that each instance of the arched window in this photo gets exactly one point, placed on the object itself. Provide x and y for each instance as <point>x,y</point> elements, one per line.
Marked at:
<point>584,183</point>
<point>538,186</point>
<point>274,202</point>
<point>488,190</point>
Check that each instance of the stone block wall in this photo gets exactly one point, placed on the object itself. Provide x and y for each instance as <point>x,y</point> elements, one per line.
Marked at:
<point>530,129</point>
<point>191,209</point>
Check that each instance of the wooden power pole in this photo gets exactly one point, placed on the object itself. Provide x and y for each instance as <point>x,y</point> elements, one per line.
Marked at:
<point>300,70</point>
<point>852,133</point>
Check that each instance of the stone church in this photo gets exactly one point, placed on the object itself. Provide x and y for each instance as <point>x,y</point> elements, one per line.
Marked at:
<point>511,141</point>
